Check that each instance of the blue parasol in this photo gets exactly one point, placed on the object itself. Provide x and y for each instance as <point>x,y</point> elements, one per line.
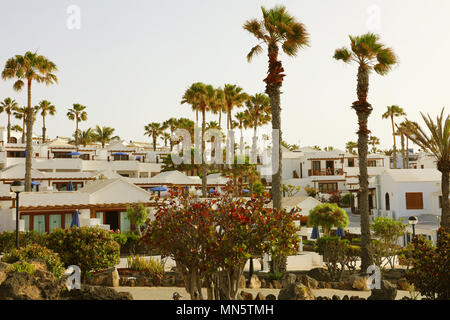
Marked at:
<point>315,233</point>
<point>211,190</point>
<point>340,232</point>
<point>159,189</point>
<point>75,154</point>
<point>120,154</point>
<point>75,220</point>
<point>245,190</point>
<point>70,186</point>
<point>35,183</point>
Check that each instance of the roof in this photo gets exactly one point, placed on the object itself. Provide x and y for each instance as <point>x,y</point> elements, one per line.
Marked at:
<point>172,177</point>
<point>97,185</point>
<point>289,202</point>
<point>414,175</point>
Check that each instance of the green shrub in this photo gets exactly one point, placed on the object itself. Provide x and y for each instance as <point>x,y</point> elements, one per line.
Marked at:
<point>328,215</point>
<point>90,248</point>
<point>8,239</point>
<point>348,200</point>
<point>335,252</point>
<point>120,238</point>
<point>36,252</point>
<point>151,265</point>
<point>22,266</point>
<point>274,276</point>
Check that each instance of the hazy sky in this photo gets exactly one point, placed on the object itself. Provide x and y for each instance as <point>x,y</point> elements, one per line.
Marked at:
<point>131,61</point>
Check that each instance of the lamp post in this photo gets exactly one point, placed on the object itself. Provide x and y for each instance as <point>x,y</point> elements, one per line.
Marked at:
<point>17,187</point>
<point>413,221</point>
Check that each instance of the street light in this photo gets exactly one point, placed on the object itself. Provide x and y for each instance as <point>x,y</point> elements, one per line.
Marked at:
<point>17,187</point>
<point>413,221</point>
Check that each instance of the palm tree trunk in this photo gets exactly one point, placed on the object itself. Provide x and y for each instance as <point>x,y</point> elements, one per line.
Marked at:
<point>203,154</point>
<point>395,145</point>
<point>154,142</point>
<point>43,129</point>
<point>220,119</point>
<point>363,110</point>
<point>445,210</point>
<point>23,127</point>
<point>9,128</point>
<point>76,130</point>
<point>29,141</point>
<point>402,139</point>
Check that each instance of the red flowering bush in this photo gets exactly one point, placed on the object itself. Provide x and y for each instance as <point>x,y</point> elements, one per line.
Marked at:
<point>431,265</point>
<point>212,239</point>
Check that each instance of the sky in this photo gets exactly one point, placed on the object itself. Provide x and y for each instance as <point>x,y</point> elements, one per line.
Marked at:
<point>130,61</point>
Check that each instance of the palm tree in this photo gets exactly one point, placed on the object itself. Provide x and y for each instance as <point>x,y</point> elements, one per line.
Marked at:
<point>104,135</point>
<point>78,114</point>
<point>201,97</point>
<point>29,67</point>
<point>9,106</point>
<point>278,28</point>
<point>258,111</point>
<point>172,125</point>
<point>20,114</point>
<point>234,97</point>
<point>438,143</point>
<point>350,145</point>
<point>165,137</point>
<point>374,142</point>
<point>16,128</point>
<point>392,112</point>
<point>84,137</point>
<point>45,107</point>
<point>154,130</point>
<point>369,54</point>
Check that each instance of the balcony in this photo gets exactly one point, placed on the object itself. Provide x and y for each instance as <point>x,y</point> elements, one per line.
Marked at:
<point>326,172</point>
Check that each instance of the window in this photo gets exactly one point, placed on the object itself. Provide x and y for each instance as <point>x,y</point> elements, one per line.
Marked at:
<point>372,163</point>
<point>351,162</point>
<point>59,155</point>
<point>387,202</point>
<point>414,200</point>
<point>328,187</point>
<point>84,156</point>
<point>16,154</point>
<point>120,157</point>
<point>62,186</point>
<point>316,167</point>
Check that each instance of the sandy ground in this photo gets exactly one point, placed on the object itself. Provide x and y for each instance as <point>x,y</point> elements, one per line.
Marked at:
<point>165,293</point>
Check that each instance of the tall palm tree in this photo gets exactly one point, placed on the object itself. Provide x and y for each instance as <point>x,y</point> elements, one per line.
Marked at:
<point>16,128</point>
<point>369,54</point>
<point>154,130</point>
<point>243,120</point>
<point>9,106</point>
<point>165,137</point>
<point>392,112</point>
<point>374,142</point>
<point>235,97</point>
<point>402,128</point>
<point>104,135</point>
<point>438,143</point>
<point>350,145</point>
<point>278,28</point>
<point>258,111</point>
<point>78,114</point>
<point>172,125</point>
<point>20,113</point>
<point>201,96</point>
<point>28,68</point>
<point>46,108</point>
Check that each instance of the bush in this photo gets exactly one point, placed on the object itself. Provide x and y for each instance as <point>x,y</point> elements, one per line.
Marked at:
<point>36,252</point>
<point>335,252</point>
<point>328,215</point>
<point>22,266</point>
<point>151,266</point>
<point>90,248</point>
<point>348,200</point>
<point>430,272</point>
<point>8,239</point>
<point>120,238</point>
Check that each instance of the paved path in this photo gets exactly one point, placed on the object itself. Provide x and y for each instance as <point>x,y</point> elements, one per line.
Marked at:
<point>165,293</point>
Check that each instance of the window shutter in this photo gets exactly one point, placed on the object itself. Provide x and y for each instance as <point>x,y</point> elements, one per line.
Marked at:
<point>414,200</point>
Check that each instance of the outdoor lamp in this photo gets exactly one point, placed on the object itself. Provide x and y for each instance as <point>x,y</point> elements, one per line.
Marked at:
<point>413,221</point>
<point>17,187</point>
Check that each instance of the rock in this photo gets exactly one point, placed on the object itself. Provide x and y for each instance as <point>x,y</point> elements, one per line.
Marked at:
<point>296,291</point>
<point>345,297</point>
<point>288,279</point>
<point>246,295</point>
<point>263,283</point>
<point>254,282</point>
<point>402,284</point>
<point>341,285</point>
<point>88,292</point>
<point>388,291</point>
<point>140,282</point>
<point>308,281</point>
<point>271,297</point>
<point>359,282</point>
<point>41,285</point>
<point>109,278</point>
<point>242,282</point>
<point>4,270</point>
<point>38,264</point>
<point>324,285</point>
<point>276,284</point>
<point>354,298</point>
<point>335,297</point>
<point>260,296</point>
<point>320,274</point>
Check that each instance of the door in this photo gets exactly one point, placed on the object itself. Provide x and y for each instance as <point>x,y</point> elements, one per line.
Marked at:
<point>54,222</point>
<point>112,218</point>
<point>39,223</point>
<point>124,223</point>
<point>330,167</point>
